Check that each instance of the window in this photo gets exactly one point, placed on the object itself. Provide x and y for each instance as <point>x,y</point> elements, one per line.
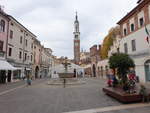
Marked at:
<point>125,32</point>
<point>10,51</point>
<point>20,39</point>
<point>26,42</point>
<point>101,71</point>
<point>106,68</point>
<point>12,24</point>
<point>25,56</point>
<point>126,48</point>
<point>118,50</point>
<point>20,54</point>
<point>21,31</point>
<point>31,57</point>
<point>1,45</point>
<point>2,26</point>
<point>28,58</point>
<point>133,43</point>
<point>132,27</point>
<point>141,20</point>
<point>32,45</point>
<point>11,34</point>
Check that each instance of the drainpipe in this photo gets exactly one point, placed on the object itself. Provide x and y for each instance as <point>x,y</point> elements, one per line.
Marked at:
<point>7,39</point>
<point>24,69</point>
<point>7,36</point>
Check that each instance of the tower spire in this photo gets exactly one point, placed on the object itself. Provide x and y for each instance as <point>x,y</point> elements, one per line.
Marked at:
<point>76,40</point>
<point>76,16</point>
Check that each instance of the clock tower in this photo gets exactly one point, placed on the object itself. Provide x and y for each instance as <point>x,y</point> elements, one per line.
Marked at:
<point>76,40</point>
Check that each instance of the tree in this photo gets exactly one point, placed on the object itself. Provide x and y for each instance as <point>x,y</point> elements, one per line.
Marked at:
<point>108,41</point>
<point>121,62</point>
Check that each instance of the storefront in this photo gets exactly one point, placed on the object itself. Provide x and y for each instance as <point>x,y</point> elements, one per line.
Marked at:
<point>6,71</point>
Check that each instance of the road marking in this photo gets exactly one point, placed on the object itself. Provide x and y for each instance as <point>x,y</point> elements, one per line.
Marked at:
<point>112,108</point>
<point>10,90</point>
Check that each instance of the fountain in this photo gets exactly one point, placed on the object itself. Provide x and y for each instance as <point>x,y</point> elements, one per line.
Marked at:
<point>66,73</point>
<point>66,76</point>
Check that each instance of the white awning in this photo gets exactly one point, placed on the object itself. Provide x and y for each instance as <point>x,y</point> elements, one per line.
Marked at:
<point>4,65</point>
<point>28,69</point>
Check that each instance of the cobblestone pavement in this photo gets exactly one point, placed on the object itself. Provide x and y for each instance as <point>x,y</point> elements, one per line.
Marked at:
<point>135,110</point>
<point>43,98</point>
<point>8,86</point>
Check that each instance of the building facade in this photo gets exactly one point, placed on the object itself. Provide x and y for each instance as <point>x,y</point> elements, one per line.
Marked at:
<point>76,41</point>
<point>115,48</point>
<point>135,27</point>
<point>95,52</point>
<point>85,58</point>
<point>103,65</point>
<point>21,51</point>
<point>37,58</point>
<point>20,48</point>
<point>4,23</point>
<point>46,62</point>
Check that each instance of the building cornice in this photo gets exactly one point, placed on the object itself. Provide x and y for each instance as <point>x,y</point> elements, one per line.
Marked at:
<point>133,11</point>
<point>4,15</point>
<point>12,18</point>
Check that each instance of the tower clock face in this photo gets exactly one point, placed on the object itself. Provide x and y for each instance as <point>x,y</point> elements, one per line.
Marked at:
<point>76,44</point>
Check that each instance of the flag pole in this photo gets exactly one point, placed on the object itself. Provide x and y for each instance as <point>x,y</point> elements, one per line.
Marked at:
<point>147,39</point>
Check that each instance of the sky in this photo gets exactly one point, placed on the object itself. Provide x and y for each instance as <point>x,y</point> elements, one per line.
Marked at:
<point>52,21</point>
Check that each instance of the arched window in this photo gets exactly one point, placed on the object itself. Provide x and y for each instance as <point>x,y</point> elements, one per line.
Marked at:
<point>132,27</point>
<point>125,32</point>
<point>2,25</point>
<point>102,71</point>
<point>106,68</point>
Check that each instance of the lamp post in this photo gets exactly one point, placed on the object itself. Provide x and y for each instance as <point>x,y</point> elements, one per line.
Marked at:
<point>66,65</point>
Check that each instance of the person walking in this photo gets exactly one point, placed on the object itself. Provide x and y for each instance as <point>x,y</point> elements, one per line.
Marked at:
<point>144,93</point>
<point>29,79</point>
<point>109,80</point>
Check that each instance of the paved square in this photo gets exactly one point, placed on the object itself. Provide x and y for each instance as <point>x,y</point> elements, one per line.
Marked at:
<point>43,98</point>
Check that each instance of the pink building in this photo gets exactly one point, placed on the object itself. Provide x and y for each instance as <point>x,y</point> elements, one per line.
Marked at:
<point>4,23</point>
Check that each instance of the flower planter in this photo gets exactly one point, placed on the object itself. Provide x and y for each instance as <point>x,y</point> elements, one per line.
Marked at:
<point>122,96</point>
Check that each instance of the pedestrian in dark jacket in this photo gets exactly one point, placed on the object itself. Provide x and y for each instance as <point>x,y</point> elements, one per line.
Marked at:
<point>144,93</point>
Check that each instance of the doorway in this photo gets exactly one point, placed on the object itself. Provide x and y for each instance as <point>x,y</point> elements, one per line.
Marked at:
<point>36,72</point>
<point>147,70</point>
<point>9,76</point>
<point>94,70</point>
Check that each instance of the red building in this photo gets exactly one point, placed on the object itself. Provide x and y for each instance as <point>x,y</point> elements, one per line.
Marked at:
<point>4,24</point>
<point>76,41</point>
<point>95,52</point>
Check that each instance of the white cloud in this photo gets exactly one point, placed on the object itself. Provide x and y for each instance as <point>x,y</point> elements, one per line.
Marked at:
<point>52,20</point>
